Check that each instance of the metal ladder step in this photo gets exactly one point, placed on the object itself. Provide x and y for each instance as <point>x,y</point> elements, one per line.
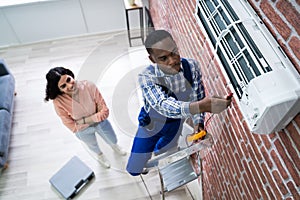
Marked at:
<point>177,174</point>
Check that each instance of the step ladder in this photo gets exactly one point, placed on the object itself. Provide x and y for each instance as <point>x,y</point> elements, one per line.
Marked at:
<point>177,168</point>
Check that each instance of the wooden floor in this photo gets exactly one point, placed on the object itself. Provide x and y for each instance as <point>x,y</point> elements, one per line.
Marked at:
<point>40,144</point>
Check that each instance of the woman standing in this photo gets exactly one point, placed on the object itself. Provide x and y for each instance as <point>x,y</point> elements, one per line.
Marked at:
<point>82,109</point>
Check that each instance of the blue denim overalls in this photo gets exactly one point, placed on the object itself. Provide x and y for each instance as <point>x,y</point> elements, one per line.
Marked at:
<point>157,133</point>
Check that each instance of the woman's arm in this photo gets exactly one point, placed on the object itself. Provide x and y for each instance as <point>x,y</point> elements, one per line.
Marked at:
<point>101,112</point>
<point>66,118</point>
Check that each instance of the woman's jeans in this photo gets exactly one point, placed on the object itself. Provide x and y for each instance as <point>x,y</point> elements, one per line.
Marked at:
<point>104,129</point>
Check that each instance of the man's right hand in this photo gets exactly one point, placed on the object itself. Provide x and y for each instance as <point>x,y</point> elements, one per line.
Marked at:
<point>210,104</point>
<point>218,104</point>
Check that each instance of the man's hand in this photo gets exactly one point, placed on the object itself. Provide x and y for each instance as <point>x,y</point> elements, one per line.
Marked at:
<point>218,104</point>
<point>210,104</point>
<point>198,128</point>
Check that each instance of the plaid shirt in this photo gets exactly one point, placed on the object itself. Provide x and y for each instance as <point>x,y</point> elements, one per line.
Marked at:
<point>168,106</point>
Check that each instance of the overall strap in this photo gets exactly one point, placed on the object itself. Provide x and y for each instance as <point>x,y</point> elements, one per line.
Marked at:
<point>144,117</point>
<point>187,71</point>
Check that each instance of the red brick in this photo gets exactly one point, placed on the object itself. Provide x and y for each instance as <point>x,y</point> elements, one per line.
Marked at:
<point>256,9</point>
<point>290,13</point>
<point>289,53</point>
<point>245,130</point>
<point>255,181</point>
<point>279,24</point>
<point>232,117</point>
<point>278,164</point>
<point>289,164</point>
<point>297,119</point>
<point>260,172</point>
<point>238,191</point>
<point>256,151</point>
<point>294,134</point>
<point>233,162</point>
<point>243,187</point>
<point>266,172</point>
<point>238,162</point>
<point>289,145</point>
<point>266,141</point>
<point>294,190</point>
<point>255,154</point>
<point>239,113</point>
<point>246,172</point>
<point>236,139</point>
<point>231,193</point>
<point>245,150</point>
<point>266,157</point>
<point>270,27</point>
<point>275,191</point>
<point>257,139</point>
<point>264,193</point>
<point>279,182</point>
<point>295,45</point>
<point>270,192</point>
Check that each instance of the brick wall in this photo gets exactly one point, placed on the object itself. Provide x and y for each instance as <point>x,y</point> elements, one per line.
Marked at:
<point>241,165</point>
<point>282,19</point>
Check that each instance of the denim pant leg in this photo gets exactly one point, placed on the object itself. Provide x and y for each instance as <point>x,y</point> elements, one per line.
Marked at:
<point>89,138</point>
<point>106,131</point>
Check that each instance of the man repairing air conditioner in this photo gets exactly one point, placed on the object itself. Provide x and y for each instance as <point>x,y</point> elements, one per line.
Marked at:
<point>172,91</point>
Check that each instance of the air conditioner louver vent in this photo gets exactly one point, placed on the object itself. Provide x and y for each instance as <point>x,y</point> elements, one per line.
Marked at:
<point>248,53</point>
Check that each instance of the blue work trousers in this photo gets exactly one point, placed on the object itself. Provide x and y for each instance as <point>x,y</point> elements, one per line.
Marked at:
<point>162,137</point>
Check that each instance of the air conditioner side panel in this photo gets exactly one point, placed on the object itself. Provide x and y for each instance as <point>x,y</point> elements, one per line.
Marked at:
<point>271,101</point>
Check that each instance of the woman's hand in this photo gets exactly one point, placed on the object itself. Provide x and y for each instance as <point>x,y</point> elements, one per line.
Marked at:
<point>80,121</point>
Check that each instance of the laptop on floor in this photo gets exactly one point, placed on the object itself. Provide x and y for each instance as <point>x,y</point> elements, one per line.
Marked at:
<point>71,178</point>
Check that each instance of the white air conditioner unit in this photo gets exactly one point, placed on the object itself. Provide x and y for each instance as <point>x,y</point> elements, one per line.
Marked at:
<point>271,101</point>
<point>264,80</point>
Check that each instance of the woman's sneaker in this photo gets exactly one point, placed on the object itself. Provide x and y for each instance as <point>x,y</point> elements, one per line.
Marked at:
<point>103,161</point>
<point>118,149</point>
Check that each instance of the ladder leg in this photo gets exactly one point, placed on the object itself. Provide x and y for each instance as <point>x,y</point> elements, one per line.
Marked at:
<point>162,186</point>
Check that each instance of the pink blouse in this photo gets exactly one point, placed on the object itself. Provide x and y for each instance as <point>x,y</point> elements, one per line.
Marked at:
<point>89,102</point>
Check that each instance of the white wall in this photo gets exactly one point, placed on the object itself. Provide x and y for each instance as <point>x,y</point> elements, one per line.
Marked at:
<point>33,22</point>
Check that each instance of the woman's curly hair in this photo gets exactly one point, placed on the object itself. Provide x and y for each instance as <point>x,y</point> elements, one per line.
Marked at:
<point>53,77</point>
